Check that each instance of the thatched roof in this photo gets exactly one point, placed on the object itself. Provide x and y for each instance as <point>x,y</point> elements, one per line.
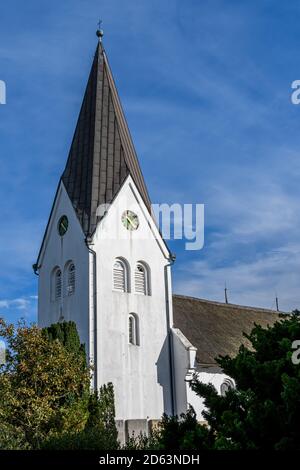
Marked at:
<point>216,328</point>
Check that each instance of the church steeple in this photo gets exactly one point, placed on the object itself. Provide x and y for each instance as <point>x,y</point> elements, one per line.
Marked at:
<point>102,153</point>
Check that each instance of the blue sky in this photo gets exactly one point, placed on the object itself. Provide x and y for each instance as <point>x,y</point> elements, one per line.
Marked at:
<point>206,88</point>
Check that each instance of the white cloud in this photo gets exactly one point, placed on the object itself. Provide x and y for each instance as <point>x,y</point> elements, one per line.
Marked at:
<point>25,304</point>
<point>253,246</point>
<point>253,283</point>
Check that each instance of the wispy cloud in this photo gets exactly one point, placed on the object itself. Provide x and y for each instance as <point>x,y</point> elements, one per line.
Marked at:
<point>22,306</point>
<point>20,303</point>
<point>255,283</point>
<point>252,244</point>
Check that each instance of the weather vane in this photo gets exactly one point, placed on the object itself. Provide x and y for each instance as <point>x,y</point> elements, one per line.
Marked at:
<point>99,32</point>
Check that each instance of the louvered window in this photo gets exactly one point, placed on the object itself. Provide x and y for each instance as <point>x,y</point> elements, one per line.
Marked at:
<point>71,279</point>
<point>133,329</point>
<point>58,279</point>
<point>225,386</point>
<point>140,279</point>
<point>119,276</point>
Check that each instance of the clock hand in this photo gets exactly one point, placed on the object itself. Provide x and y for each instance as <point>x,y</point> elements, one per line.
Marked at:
<point>130,222</point>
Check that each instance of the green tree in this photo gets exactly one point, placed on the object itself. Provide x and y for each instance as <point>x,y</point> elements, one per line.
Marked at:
<point>263,411</point>
<point>46,400</point>
<point>42,385</point>
<point>99,433</point>
<point>67,334</point>
<point>102,412</point>
<point>174,433</point>
<point>184,433</point>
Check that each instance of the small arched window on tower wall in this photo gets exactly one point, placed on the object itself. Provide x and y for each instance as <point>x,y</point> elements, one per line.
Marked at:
<point>120,275</point>
<point>71,279</point>
<point>142,279</point>
<point>133,329</point>
<point>57,284</point>
<point>228,384</point>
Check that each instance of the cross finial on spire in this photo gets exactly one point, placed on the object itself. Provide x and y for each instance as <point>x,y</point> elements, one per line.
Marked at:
<point>99,31</point>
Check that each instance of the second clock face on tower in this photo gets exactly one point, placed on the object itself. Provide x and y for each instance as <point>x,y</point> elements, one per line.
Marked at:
<point>63,224</point>
<point>130,220</point>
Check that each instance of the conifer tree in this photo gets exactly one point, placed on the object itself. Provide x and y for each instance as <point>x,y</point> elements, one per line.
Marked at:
<point>263,411</point>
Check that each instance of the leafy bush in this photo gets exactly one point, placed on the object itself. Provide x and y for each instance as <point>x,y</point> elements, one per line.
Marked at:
<point>174,433</point>
<point>45,392</point>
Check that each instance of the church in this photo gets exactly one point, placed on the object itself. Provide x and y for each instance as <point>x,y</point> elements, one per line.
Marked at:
<point>104,265</point>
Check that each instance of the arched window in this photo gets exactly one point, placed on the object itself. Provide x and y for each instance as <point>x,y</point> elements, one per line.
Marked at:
<point>133,329</point>
<point>120,275</point>
<point>57,284</point>
<point>70,287</point>
<point>225,386</point>
<point>142,279</point>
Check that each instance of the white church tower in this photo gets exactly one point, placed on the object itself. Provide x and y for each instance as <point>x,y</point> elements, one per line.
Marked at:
<point>103,263</point>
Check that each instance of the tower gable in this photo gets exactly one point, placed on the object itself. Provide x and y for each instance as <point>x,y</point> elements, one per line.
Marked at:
<point>111,226</point>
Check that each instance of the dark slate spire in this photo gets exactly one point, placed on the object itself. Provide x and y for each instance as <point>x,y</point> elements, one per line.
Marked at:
<point>102,153</point>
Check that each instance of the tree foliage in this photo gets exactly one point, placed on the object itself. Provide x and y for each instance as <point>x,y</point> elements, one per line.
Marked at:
<point>99,432</point>
<point>45,398</point>
<point>40,383</point>
<point>183,433</point>
<point>263,411</point>
<point>174,433</point>
<point>101,409</point>
<point>66,333</point>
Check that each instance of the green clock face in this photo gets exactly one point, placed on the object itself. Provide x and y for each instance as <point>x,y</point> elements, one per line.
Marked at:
<point>63,224</point>
<point>130,220</point>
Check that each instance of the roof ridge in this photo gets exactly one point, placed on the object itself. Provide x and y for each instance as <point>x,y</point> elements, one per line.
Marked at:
<point>215,302</point>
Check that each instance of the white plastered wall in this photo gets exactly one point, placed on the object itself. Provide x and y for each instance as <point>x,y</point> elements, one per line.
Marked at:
<point>212,375</point>
<point>185,368</point>
<point>140,374</point>
<point>57,251</point>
